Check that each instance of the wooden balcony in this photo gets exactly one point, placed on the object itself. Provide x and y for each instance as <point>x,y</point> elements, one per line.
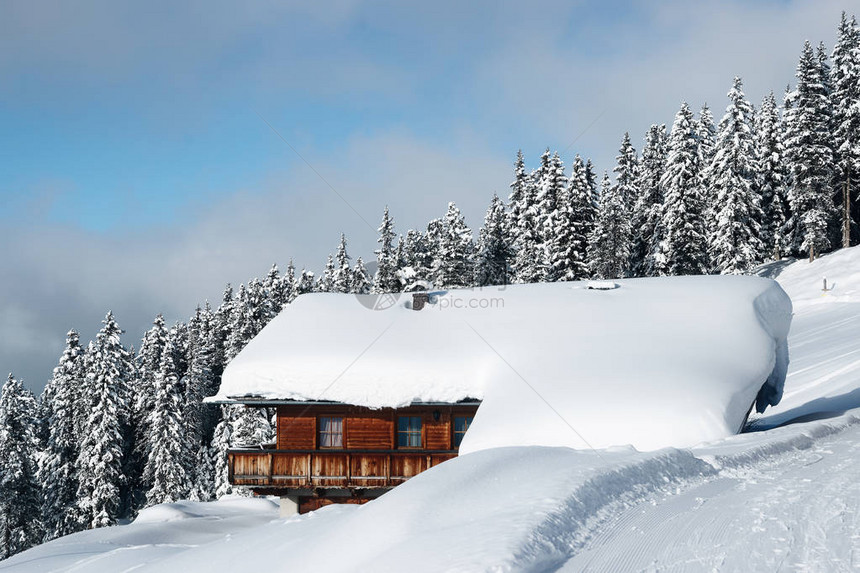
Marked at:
<point>330,468</point>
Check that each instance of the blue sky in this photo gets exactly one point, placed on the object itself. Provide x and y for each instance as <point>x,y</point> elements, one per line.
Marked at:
<point>137,174</point>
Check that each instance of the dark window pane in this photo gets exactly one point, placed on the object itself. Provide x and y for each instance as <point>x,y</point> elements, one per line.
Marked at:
<point>409,431</point>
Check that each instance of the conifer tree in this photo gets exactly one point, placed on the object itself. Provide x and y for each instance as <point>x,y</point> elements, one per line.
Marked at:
<point>288,288</point>
<point>683,248</point>
<point>494,253</point>
<point>735,243</point>
<point>386,280</point>
<point>305,284</point>
<point>148,363</point>
<point>221,440</point>
<point>647,209</point>
<point>342,273</point>
<point>810,158</point>
<point>520,197</point>
<point>845,98</point>
<point>100,461</point>
<point>20,503</point>
<point>360,282</point>
<point>455,266</point>
<point>57,473</point>
<point>273,295</point>
<point>251,428</point>
<point>627,173</point>
<point>551,189</point>
<point>707,143</point>
<point>326,280</point>
<point>165,470</point>
<point>416,255</point>
<point>591,178</point>
<point>772,177</point>
<point>204,482</point>
<point>609,245</point>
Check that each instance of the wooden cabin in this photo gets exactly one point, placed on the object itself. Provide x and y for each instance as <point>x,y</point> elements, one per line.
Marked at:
<point>343,434</point>
<point>327,452</point>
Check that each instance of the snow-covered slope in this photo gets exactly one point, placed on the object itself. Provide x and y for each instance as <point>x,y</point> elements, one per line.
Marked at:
<point>786,498</point>
<point>556,364</point>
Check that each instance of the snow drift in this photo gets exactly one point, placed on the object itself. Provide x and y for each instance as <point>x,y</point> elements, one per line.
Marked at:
<point>652,363</point>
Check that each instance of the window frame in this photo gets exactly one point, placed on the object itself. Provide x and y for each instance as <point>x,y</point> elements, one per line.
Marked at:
<point>320,433</point>
<point>410,432</point>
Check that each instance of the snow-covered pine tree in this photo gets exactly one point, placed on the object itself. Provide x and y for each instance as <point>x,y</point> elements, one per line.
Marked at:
<point>148,363</point>
<point>494,253</point>
<point>342,273</point>
<point>222,320</point>
<point>165,470</point>
<point>845,103</point>
<point>57,474</point>
<point>647,209</point>
<point>591,177</point>
<point>772,178</point>
<point>257,307</point>
<point>551,188</point>
<point>609,244</point>
<point>204,482</point>
<point>20,503</point>
<point>432,246</point>
<point>810,158</point>
<point>306,282</point>
<point>683,248</point>
<point>576,223</point>
<point>455,266</point>
<point>251,428</point>
<point>288,287</point>
<point>244,324</point>
<point>707,142</point>
<point>360,282</point>
<point>627,173</point>
<point>531,258</point>
<point>520,197</point>
<point>273,297</point>
<point>416,255</point>
<point>386,280</point>
<point>221,440</point>
<point>199,383</point>
<point>100,461</point>
<point>735,241</point>
<point>326,281</point>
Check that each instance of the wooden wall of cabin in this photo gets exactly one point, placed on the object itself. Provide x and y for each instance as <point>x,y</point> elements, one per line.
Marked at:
<point>365,428</point>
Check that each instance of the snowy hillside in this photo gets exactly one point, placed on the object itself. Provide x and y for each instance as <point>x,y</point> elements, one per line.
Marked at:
<point>782,498</point>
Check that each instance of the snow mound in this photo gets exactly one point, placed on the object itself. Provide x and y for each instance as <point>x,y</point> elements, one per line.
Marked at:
<point>229,505</point>
<point>652,363</point>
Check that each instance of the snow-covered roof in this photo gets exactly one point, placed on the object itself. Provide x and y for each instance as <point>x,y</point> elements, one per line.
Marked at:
<point>587,366</point>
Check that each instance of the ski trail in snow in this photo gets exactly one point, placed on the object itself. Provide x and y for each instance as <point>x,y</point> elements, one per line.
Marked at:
<point>797,511</point>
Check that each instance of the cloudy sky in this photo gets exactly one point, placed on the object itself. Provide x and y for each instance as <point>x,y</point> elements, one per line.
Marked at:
<point>139,171</point>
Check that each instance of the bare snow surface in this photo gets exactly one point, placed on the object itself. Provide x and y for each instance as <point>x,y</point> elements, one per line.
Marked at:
<point>783,499</point>
<point>557,364</point>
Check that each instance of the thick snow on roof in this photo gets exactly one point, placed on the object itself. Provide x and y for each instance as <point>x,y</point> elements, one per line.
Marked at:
<point>653,363</point>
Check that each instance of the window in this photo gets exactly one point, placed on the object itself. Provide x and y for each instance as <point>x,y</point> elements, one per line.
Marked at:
<point>331,432</point>
<point>461,424</point>
<point>409,431</point>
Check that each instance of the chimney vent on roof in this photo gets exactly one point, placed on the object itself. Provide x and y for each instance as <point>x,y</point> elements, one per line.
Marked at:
<point>419,299</point>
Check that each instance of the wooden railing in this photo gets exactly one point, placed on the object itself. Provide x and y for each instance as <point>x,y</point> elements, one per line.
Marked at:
<point>330,468</point>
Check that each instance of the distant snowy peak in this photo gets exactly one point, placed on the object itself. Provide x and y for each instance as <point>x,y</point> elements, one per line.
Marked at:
<point>654,362</point>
